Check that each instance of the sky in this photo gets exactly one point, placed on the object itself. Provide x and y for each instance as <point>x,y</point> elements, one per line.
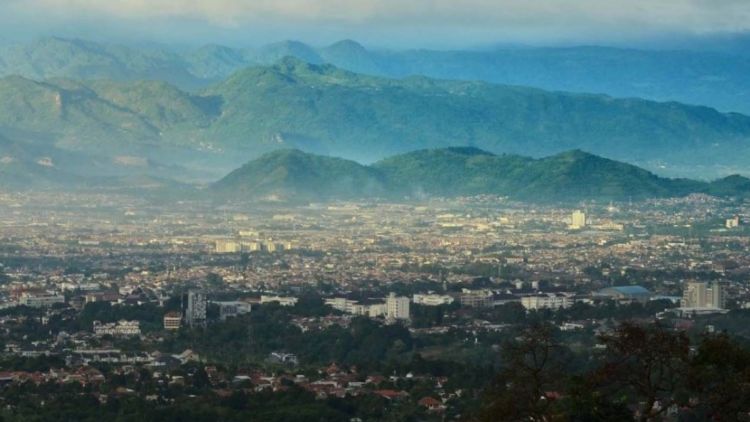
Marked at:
<point>388,23</point>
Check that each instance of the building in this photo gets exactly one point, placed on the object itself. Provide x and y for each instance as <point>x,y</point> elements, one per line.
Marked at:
<point>102,297</point>
<point>343,304</point>
<point>283,358</point>
<point>733,222</point>
<point>195,314</point>
<point>703,295</point>
<point>281,300</point>
<point>397,307</point>
<point>377,310</point>
<point>227,246</point>
<point>39,300</point>
<point>432,299</point>
<point>273,247</point>
<point>546,301</point>
<point>252,246</point>
<point>120,328</point>
<point>229,309</point>
<point>476,298</point>
<point>172,320</point>
<point>625,293</point>
<point>578,220</point>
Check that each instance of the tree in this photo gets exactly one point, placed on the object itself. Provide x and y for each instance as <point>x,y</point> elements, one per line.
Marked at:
<point>646,365</point>
<point>200,378</point>
<point>719,379</point>
<point>533,370</point>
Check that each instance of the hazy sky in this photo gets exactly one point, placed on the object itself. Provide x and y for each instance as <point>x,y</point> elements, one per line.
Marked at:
<point>409,23</point>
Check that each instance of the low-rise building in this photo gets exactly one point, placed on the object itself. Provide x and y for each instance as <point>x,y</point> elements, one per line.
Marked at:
<point>229,309</point>
<point>172,320</point>
<point>40,300</point>
<point>432,299</point>
<point>281,300</point>
<point>625,293</point>
<point>547,301</point>
<point>476,298</point>
<point>120,328</point>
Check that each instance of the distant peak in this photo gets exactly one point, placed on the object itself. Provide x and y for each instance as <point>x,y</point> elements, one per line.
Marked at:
<point>735,178</point>
<point>467,151</point>
<point>295,65</point>
<point>348,45</point>
<point>292,43</point>
<point>292,61</point>
<point>577,154</point>
<point>291,64</point>
<point>285,152</point>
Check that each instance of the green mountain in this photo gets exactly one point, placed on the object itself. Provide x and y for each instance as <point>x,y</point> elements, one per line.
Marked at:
<point>366,118</point>
<point>55,57</point>
<point>294,175</point>
<point>715,79</point>
<point>327,110</point>
<point>463,171</point>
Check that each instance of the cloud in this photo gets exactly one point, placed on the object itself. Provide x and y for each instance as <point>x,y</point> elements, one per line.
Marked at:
<point>479,18</point>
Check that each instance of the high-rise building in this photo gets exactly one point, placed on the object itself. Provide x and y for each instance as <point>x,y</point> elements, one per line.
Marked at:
<point>703,295</point>
<point>196,308</point>
<point>397,307</point>
<point>578,219</point>
<point>717,296</point>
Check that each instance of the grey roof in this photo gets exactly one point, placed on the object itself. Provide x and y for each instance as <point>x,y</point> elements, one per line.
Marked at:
<point>627,290</point>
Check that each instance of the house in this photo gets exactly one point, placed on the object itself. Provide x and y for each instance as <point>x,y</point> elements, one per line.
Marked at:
<point>431,404</point>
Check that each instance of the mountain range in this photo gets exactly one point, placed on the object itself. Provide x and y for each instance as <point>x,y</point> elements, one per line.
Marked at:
<point>571,176</point>
<point>715,79</point>
<point>201,135</point>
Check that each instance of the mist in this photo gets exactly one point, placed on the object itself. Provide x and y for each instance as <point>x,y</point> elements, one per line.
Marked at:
<point>416,24</point>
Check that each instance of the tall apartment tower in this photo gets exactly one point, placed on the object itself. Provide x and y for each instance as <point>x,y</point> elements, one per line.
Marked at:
<point>397,307</point>
<point>717,296</point>
<point>195,314</point>
<point>578,219</point>
<point>703,295</point>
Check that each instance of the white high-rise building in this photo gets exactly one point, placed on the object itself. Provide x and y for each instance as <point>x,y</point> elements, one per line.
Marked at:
<point>703,295</point>
<point>196,308</point>
<point>578,220</point>
<point>397,307</point>
<point>717,296</point>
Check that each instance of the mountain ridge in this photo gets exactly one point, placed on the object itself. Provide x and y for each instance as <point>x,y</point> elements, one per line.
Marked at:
<point>293,175</point>
<point>328,110</point>
<point>716,79</point>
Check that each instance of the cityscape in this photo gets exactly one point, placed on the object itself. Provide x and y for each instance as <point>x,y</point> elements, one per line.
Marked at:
<point>370,210</point>
<point>117,286</point>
